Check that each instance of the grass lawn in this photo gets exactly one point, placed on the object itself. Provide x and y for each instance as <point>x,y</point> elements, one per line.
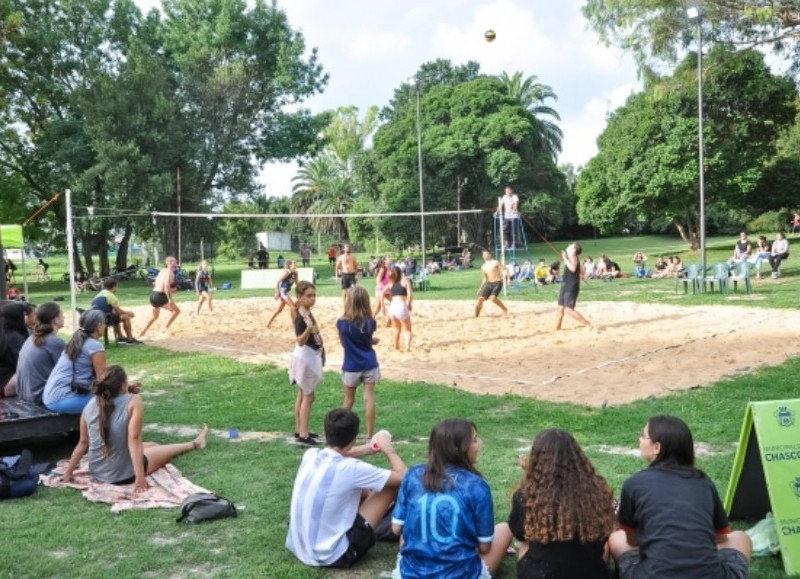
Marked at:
<point>58,533</point>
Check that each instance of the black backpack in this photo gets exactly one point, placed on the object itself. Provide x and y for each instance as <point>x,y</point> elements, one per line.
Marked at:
<point>19,476</point>
<point>199,507</point>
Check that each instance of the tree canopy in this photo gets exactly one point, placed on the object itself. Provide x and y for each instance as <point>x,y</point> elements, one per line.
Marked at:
<point>647,170</point>
<point>113,103</point>
<point>471,127</point>
<point>657,30</point>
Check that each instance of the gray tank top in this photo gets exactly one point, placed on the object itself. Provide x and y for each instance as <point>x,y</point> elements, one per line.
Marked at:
<point>117,465</point>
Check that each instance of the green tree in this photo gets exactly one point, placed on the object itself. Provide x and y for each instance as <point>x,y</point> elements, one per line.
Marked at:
<point>112,104</point>
<point>647,165</point>
<point>470,128</point>
<point>346,135</point>
<point>657,30</point>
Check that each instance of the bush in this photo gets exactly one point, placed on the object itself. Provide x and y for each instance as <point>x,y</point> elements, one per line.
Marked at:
<point>779,220</point>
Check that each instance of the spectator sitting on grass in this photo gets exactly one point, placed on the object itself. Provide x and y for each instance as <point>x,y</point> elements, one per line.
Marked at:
<point>541,272</point>
<point>337,499</point>
<point>111,433</point>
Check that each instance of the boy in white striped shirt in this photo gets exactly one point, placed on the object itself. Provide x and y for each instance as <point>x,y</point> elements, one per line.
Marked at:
<point>330,525</point>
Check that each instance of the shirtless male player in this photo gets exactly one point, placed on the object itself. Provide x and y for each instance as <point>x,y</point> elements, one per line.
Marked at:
<point>493,274</point>
<point>346,268</point>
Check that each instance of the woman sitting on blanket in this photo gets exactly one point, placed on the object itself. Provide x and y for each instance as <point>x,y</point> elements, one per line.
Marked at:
<point>111,432</point>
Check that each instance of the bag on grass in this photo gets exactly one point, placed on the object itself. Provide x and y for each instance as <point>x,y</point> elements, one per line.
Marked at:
<point>19,476</point>
<point>764,536</point>
<point>200,507</point>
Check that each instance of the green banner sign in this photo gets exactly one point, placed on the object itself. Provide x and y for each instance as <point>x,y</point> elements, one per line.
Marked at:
<point>766,473</point>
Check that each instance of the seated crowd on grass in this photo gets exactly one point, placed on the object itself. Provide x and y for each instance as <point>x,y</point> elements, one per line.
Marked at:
<point>563,514</point>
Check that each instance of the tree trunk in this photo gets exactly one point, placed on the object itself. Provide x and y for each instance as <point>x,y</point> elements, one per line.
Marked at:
<point>88,252</point>
<point>122,252</point>
<point>102,252</point>
<point>688,232</point>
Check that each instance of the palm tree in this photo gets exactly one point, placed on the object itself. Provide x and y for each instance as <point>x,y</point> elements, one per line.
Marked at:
<point>321,185</point>
<point>309,182</point>
<point>532,95</point>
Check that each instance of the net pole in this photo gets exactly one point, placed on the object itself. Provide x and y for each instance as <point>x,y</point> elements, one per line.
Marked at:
<point>73,301</point>
<point>180,261</point>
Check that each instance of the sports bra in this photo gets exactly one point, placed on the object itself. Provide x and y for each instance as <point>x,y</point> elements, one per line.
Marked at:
<point>398,289</point>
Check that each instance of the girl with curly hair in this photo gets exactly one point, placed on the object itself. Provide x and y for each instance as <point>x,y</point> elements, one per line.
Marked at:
<point>563,512</point>
<point>445,512</point>
<point>672,520</point>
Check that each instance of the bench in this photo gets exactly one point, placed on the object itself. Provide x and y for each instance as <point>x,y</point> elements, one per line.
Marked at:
<point>20,419</point>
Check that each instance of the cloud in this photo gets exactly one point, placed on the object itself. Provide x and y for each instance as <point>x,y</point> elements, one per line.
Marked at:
<point>371,44</point>
<point>581,132</point>
<point>520,42</point>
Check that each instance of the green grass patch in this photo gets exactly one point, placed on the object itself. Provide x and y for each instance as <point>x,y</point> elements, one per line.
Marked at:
<point>58,533</point>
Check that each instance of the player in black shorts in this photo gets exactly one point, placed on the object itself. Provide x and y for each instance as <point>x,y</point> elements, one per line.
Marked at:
<point>493,274</point>
<point>571,286</point>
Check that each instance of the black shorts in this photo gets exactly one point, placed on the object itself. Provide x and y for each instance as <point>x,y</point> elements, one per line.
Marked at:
<point>360,539</point>
<point>491,288</point>
<point>114,318</point>
<point>132,479</point>
<point>348,280</point>
<point>567,298</point>
<point>158,299</point>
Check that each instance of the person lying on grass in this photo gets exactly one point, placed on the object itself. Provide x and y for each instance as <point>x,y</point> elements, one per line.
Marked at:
<point>111,432</point>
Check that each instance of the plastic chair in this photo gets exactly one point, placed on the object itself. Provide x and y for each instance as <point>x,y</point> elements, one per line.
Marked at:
<point>422,280</point>
<point>691,274</point>
<point>741,273</point>
<point>720,274</point>
<point>101,303</point>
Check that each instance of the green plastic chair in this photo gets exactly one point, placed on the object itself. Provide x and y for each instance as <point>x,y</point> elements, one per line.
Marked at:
<point>690,275</point>
<point>741,272</point>
<point>720,275</point>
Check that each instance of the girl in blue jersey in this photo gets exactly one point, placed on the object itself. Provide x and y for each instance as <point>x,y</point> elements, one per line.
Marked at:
<point>283,291</point>
<point>445,512</point>
<point>357,334</point>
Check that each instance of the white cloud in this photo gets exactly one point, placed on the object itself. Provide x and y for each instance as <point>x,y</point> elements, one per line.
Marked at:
<point>581,132</point>
<point>370,44</point>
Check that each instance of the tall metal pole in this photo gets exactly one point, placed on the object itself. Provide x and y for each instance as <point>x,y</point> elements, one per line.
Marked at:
<point>3,290</point>
<point>73,302</point>
<point>700,143</point>
<point>421,187</point>
<point>178,172</point>
<point>695,13</point>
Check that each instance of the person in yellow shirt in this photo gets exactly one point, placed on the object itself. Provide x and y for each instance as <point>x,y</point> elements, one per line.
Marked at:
<point>541,272</point>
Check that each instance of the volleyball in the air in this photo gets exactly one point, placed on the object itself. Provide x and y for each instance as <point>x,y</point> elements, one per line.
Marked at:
<point>489,35</point>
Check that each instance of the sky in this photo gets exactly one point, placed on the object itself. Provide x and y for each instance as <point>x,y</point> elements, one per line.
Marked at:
<point>370,47</point>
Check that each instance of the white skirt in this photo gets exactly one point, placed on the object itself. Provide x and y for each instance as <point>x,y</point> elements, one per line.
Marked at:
<point>305,368</point>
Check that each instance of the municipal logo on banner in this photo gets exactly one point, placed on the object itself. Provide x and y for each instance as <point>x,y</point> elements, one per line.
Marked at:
<point>785,416</point>
<point>766,473</point>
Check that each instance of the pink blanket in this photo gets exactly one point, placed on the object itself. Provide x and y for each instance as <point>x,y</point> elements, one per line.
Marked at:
<point>168,488</point>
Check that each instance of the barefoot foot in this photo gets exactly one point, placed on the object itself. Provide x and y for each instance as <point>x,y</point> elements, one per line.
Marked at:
<point>200,441</point>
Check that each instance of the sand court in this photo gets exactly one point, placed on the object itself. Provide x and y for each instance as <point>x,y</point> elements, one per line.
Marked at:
<point>638,350</point>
